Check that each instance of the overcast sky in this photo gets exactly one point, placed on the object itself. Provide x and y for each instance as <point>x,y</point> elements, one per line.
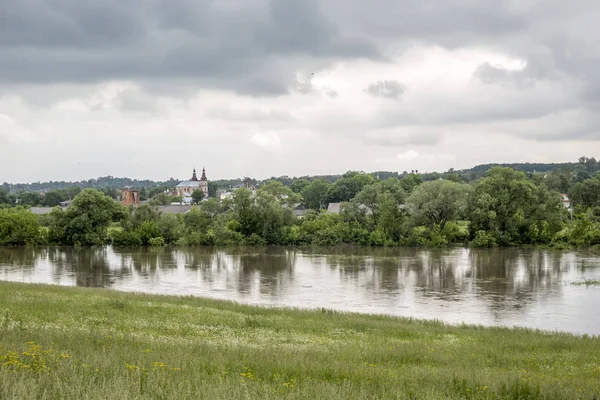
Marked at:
<point>152,88</point>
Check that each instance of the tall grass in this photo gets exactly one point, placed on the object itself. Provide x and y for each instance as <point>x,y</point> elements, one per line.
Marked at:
<point>74,343</point>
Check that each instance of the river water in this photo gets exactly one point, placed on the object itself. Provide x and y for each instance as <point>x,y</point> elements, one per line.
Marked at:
<point>509,287</point>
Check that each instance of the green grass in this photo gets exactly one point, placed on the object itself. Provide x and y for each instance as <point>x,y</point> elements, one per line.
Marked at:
<point>75,343</point>
<point>587,282</point>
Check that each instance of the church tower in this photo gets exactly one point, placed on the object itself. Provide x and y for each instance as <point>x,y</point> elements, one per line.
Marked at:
<point>203,182</point>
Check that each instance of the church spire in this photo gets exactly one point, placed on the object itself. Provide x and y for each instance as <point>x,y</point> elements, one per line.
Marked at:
<point>203,178</point>
<point>194,177</point>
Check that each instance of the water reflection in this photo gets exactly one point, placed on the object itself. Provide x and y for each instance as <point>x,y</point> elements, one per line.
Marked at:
<point>489,286</point>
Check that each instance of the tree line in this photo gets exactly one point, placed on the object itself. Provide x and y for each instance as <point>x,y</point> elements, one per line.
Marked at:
<point>505,207</point>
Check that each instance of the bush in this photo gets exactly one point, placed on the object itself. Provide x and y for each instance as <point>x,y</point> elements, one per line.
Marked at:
<point>484,239</point>
<point>255,240</point>
<point>156,242</point>
<point>148,230</point>
<point>425,236</point>
<point>18,226</point>
<point>125,238</point>
<point>455,232</point>
<point>377,238</point>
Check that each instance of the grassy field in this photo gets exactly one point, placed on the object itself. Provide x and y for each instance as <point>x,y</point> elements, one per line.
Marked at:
<point>75,343</point>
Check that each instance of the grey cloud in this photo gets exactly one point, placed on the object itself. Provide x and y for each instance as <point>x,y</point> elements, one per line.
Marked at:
<point>240,46</point>
<point>410,135</point>
<point>386,89</point>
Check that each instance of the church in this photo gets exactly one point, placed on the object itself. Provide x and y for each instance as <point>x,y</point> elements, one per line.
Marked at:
<point>186,188</point>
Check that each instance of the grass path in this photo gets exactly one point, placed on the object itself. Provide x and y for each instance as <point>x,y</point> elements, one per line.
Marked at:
<point>75,343</point>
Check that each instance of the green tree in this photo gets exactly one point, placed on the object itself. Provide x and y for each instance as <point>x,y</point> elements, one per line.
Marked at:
<point>213,187</point>
<point>586,194</point>
<point>279,192</point>
<point>410,182</point>
<point>507,205</point>
<point>29,199</point>
<point>170,227</point>
<point>246,212</point>
<point>18,226</point>
<point>54,197</point>
<point>370,196</point>
<point>299,185</point>
<point>6,197</point>
<point>435,203</point>
<point>315,194</point>
<point>559,179</point>
<point>86,221</point>
<point>197,196</point>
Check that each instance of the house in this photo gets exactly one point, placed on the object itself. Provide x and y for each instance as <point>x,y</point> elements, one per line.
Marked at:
<point>299,210</point>
<point>186,188</point>
<point>130,197</point>
<point>566,201</point>
<point>175,209</point>
<point>334,208</point>
<point>41,210</point>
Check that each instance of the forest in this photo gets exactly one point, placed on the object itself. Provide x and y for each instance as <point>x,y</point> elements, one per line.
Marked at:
<point>502,207</point>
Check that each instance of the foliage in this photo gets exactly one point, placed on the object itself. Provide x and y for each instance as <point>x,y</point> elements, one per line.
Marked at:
<point>315,194</point>
<point>147,230</point>
<point>125,238</point>
<point>197,196</point>
<point>86,221</point>
<point>513,209</point>
<point>437,202</point>
<point>484,239</point>
<point>18,226</point>
<point>586,194</point>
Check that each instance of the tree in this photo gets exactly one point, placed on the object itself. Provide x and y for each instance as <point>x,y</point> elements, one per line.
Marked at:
<point>315,194</point>
<point>299,185</point>
<point>435,203</point>
<point>29,199</point>
<point>370,196</point>
<point>278,191</point>
<point>18,226</point>
<point>559,179</point>
<point>410,182</point>
<point>6,197</point>
<point>586,194</point>
<point>246,212</point>
<point>507,205</point>
<point>86,221</point>
<point>212,189</point>
<point>197,196</point>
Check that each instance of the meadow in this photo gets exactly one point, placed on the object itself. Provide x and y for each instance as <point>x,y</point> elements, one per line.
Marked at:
<point>75,343</point>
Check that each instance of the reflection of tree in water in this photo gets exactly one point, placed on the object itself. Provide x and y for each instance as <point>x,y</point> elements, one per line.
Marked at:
<point>146,261</point>
<point>198,257</point>
<point>90,266</point>
<point>20,258</point>
<point>513,278</point>
<point>272,267</point>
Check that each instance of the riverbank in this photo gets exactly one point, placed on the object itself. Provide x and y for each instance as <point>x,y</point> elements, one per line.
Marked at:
<point>59,342</point>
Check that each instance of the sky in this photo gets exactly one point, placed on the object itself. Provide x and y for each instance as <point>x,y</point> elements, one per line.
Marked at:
<point>261,88</point>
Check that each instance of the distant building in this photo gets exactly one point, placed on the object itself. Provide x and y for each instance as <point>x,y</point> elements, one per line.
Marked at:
<point>299,210</point>
<point>186,188</point>
<point>175,209</point>
<point>130,197</point>
<point>566,201</point>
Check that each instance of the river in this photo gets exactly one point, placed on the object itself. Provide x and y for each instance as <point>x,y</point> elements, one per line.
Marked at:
<point>501,287</point>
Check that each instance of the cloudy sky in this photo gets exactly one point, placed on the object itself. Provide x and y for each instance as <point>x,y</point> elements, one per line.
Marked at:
<point>152,88</point>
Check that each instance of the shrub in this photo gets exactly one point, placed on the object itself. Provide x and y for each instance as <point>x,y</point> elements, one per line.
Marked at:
<point>147,230</point>
<point>484,239</point>
<point>255,240</point>
<point>125,238</point>
<point>156,242</point>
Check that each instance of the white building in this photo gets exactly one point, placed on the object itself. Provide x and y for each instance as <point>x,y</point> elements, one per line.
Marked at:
<point>186,188</point>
